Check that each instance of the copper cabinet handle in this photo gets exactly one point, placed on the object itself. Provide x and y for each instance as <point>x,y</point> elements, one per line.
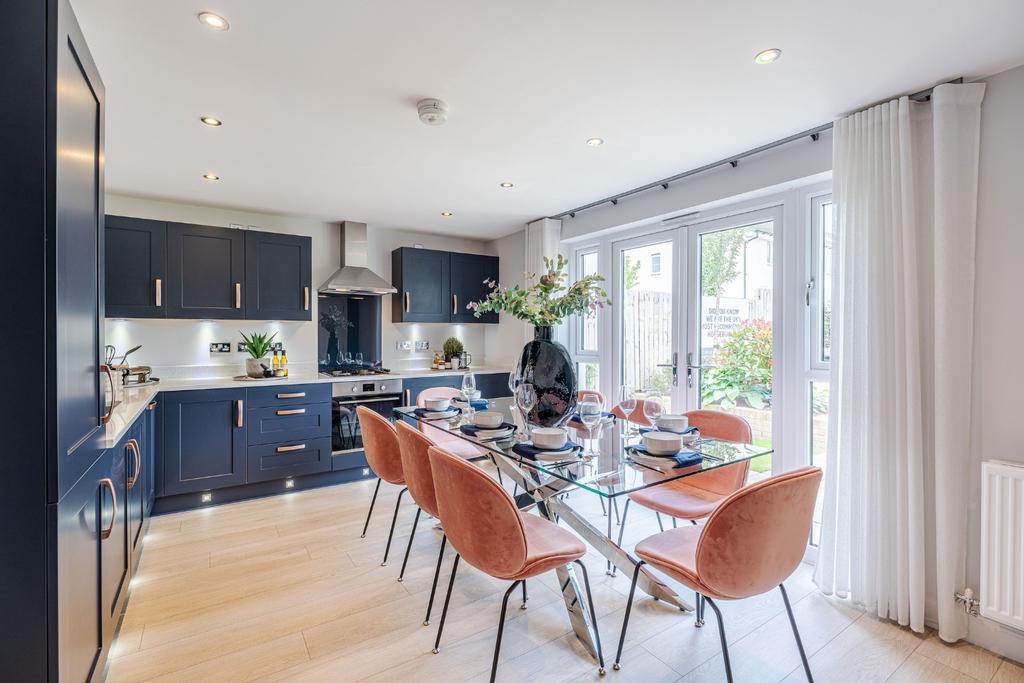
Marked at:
<point>238,295</point>
<point>239,413</point>
<point>305,298</point>
<point>105,534</point>
<point>159,292</point>
<point>105,369</point>
<point>289,449</point>
<point>455,304</point>
<point>151,406</point>
<point>300,394</point>
<point>407,297</point>
<point>134,446</point>
<point>293,411</point>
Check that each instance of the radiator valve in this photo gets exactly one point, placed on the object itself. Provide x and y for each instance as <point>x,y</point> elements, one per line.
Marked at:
<point>967,599</point>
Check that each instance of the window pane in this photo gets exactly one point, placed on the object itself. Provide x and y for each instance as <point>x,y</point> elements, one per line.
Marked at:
<point>588,323</point>
<point>825,221</point>
<point>819,442</point>
<point>646,319</point>
<point>587,376</point>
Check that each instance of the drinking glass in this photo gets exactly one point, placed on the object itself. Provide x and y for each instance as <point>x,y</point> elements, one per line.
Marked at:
<point>653,409</point>
<point>468,389</point>
<point>590,409</point>
<point>359,359</point>
<point>627,404</point>
<point>526,399</point>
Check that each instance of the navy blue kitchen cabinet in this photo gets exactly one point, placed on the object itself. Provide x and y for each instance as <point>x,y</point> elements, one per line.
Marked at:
<point>493,385</point>
<point>205,272</point>
<point>203,440</point>
<point>115,557</point>
<point>136,267</point>
<point>278,276</point>
<point>291,458</point>
<point>276,424</point>
<point>411,388</point>
<point>468,273</point>
<point>422,278</point>
<point>138,451</point>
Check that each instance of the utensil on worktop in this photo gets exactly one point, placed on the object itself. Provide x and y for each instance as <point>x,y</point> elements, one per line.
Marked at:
<point>127,353</point>
<point>108,354</point>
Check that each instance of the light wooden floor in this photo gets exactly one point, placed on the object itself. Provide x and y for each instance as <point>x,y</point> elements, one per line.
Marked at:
<point>284,589</point>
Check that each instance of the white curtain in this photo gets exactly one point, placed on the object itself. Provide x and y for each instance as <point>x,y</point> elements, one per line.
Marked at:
<point>905,178</point>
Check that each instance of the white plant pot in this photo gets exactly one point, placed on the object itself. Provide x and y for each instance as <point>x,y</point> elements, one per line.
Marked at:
<point>252,366</point>
<point>455,363</point>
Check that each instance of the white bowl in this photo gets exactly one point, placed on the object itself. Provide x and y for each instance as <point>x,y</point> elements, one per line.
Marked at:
<point>488,419</point>
<point>672,423</point>
<point>437,404</point>
<point>662,443</point>
<point>690,437</point>
<point>549,437</point>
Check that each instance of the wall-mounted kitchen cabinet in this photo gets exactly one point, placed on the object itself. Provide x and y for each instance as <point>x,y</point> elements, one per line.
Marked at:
<point>435,286</point>
<point>278,276</point>
<point>156,269</point>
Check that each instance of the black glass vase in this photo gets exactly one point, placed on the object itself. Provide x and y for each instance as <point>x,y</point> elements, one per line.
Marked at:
<point>545,366</point>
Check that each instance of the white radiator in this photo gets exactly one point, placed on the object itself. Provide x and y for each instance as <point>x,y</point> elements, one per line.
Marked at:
<point>1002,542</point>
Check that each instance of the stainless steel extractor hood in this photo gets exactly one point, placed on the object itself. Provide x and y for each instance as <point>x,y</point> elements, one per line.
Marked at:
<point>354,277</point>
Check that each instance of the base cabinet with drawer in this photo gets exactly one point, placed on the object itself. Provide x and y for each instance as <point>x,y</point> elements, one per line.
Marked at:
<point>203,440</point>
<point>490,385</point>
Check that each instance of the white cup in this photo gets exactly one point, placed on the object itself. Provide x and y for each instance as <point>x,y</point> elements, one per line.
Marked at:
<point>488,419</point>
<point>437,404</point>
<point>551,438</point>
<point>672,423</point>
<point>662,443</point>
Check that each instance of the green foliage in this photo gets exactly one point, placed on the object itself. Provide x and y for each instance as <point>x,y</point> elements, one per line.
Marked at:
<point>452,348</point>
<point>630,272</point>
<point>258,345</point>
<point>545,301</point>
<point>743,368</point>
<point>719,253</point>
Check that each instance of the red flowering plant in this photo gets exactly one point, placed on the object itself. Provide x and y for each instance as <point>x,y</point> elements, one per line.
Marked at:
<point>547,300</point>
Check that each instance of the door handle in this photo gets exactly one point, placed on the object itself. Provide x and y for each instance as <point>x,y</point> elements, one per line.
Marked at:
<point>408,397</point>
<point>292,411</point>
<point>289,449</point>
<point>159,285</point>
<point>238,295</point>
<point>133,445</point>
<point>105,534</point>
<point>151,406</point>
<point>300,394</point>
<point>305,298</point>
<point>105,369</point>
<point>455,304</point>
<point>239,413</point>
<point>675,368</point>
<point>407,298</point>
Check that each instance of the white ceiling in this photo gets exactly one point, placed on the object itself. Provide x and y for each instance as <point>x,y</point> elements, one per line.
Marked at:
<point>318,96</point>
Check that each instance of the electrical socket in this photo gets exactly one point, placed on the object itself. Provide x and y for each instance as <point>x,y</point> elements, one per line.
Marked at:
<point>403,345</point>
<point>220,347</point>
<point>274,346</point>
<point>422,345</point>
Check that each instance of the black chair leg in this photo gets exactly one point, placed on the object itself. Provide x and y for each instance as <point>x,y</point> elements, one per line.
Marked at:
<point>593,617</point>
<point>433,586</point>
<point>699,620</point>
<point>674,525</point>
<point>373,501</point>
<point>661,527</point>
<point>501,628</point>
<point>412,535</point>
<point>391,533</point>
<point>444,610</point>
<point>721,636</point>
<point>796,634</point>
<point>625,619</point>
<point>525,598</point>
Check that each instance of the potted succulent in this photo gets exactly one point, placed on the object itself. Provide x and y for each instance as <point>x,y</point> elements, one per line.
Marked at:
<point>453,350</point>
<point>545,366</point>
<point>258,347</point>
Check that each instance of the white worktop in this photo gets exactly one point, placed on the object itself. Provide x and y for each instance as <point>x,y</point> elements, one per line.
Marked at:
<point>133,400</point>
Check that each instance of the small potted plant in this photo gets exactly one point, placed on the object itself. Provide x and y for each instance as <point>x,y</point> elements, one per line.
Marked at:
<point>453,350</point>
<point>258,347</point>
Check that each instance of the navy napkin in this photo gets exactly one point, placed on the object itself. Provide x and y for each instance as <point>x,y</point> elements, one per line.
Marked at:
<point>688,430</point>
<point>423,412</point>
<point>576,419</point>
<point>682,458</point>
<point>531,452</point>
<point>473,430</point>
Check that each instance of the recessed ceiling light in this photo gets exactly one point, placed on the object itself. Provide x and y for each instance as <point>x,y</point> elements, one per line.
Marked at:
<point>507,184</point>
<point>214,21</point>
<point>211,120</point>
<point>211,176</point>
<point>768,56</point>
<point>447,214</point>
<point>595,142</point>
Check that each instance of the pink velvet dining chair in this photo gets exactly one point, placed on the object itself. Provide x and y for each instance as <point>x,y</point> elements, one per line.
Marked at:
<point>637,417</point>
<point>697,496</point>
<point>380,445</point>
<point>750,544</point>
<point>485,528</point>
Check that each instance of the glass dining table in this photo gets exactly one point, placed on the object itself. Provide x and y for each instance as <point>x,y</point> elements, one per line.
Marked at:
<point>604,464</point>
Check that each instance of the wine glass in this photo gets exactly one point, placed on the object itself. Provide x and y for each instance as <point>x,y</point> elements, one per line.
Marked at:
<point>469,391</point>
<point>627,404</point>
<point>526,399</point>
<point>590,409</point>
<point>359,358</point>
<point>653,409</point>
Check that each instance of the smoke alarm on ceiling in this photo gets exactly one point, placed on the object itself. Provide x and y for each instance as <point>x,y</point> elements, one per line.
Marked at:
<point>433,112</point>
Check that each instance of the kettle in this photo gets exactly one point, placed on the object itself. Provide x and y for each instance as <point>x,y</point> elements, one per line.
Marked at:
<point>465,359</point>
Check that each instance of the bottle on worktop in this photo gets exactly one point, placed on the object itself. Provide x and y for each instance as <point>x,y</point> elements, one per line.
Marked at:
<point>275,364</point>
<point>284,362</point>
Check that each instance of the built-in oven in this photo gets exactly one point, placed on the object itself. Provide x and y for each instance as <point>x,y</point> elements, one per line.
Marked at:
<point>379,394</point>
